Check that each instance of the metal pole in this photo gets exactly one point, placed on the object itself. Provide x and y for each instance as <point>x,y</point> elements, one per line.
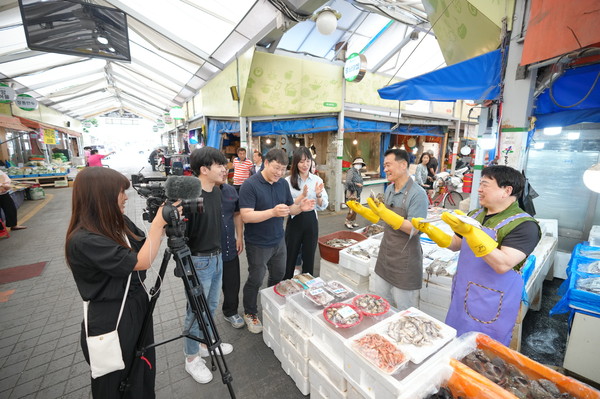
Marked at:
<point>456,138</point>
<point>337,172</point>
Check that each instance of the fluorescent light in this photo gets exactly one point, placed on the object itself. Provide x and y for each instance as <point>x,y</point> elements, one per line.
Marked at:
<point>573,136</point>
<point>539,145</point>
<point>552,131</point>
<point>102,39</point>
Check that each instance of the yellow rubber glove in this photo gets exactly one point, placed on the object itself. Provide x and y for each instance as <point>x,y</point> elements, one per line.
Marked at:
<point>438,236</point>
<point>387,215</point>
<point>363,211</point>
<point>480,243</point>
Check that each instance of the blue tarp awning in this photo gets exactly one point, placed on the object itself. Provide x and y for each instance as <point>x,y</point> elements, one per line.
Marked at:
<point>569,90</point>
<point>216,128</point>
<point>477,79</point>
<point>295,126</point>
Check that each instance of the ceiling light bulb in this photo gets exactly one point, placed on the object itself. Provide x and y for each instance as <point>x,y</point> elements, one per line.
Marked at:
<point>297,144</point>
<point>326,20</point>
<point>591,178</point>
<point>102,39</point>
<point>355,142</point>
<point>552,131</point>
<point>268,141</point>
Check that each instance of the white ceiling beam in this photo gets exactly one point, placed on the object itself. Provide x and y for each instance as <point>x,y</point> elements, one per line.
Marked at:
<point>141,90</point>
<point>44,69</point>
<point>141,78</point>
<point>157,71</point>
<point>76,96</point>
<point>154,25</point>
<point>53,82</point>
<point>143,102</point>
<point>21,55</point>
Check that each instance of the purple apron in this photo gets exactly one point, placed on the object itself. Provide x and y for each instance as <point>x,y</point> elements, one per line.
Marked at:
<point>483,300</point>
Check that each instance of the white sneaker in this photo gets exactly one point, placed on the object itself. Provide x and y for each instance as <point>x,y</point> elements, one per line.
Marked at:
<point>198,370</point>
<point>253,323</point>
<point>226,349</point>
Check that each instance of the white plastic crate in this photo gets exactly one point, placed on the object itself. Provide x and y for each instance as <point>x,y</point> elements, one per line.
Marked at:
<point>328,270</point>
<point>272,303</point>
<point>322,356</point>
<point>437,312</point>
<point>356,392</point>
<point>294,357</point>
<point>293,370</point>
<point>438,295</point>
<point>354,263</point>
<point>271,335</point>
<point>321,386</point>
<point>294,335</point>
<point>301,312</point>
<point>353,277</point>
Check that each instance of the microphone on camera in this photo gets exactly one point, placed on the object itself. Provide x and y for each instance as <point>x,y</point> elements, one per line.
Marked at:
<point>183,187</point>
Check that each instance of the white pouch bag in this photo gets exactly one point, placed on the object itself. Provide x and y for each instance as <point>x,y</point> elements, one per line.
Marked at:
<point>105,350</point>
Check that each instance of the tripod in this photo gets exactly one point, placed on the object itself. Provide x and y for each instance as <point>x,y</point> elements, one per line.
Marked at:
<point>184,269</point>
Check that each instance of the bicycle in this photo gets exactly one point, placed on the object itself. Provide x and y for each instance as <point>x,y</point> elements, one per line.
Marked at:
<point>446,194</point>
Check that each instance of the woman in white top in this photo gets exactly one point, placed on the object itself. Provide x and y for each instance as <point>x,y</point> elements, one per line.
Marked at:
<point>302,230</point>
<point>421,177</point>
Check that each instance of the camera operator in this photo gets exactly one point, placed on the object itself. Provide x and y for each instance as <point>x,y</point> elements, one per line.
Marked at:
<point>103,249</point>
<point>204,234</point>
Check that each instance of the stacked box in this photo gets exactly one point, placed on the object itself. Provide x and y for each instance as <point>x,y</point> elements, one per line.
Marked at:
<point>271,335</point>
<point>322,357</point>
<point>295,336</point>
<point>329,270</point>
<point>321,386</point>
<point>295,365</point>
<point>272,303</point>
<point>301,312</point>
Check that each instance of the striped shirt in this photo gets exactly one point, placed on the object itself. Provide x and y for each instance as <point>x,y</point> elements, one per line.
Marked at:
<point>241,171</point>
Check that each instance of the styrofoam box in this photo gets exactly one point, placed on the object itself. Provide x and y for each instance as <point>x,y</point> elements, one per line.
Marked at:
<point>435,294</point>
<point>271,335</point>
<point>360,288</point>
<point>321,356</point>
<point>437,312</point>
<point>329,270</point>
<point>445,281</point>
<point>294,357</point>
<point>301,312</point>
<point>353,277</point>
<point>294,335</point>
<point>372,383</point>
<point>549,227</point>
<point>301,382</point>
<point>272,303</point>
<point>356,392</point>
<point>594,237</point>
<point>321,386</point>
<point>354,263</point>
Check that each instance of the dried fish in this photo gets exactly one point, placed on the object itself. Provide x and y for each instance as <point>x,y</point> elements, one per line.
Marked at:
<point>591,284</point>
<point>380,352</point>
<point>319,296</point>
<point>592,268</point>
<point>288,287</point>
<point>338,290</point>
<point>372,230</point>
<point>371,304</point>
<point>590,253</point>
<point>414,330</point>
<point>341,242</point>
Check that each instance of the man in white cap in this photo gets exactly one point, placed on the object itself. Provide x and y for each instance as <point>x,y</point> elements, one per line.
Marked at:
<point>354,185</point>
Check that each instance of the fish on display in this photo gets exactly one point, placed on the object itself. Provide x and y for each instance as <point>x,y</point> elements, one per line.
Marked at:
<point>341,242</point>
<point>414,330</point>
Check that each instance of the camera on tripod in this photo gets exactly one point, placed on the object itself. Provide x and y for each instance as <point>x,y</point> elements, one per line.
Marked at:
<point>176,188</point>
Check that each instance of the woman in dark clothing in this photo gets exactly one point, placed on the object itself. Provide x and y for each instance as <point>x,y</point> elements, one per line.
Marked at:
<point>103,247</point>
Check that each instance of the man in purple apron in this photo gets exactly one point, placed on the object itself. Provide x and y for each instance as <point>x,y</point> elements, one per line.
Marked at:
<point>487,287</point>
<point>398,273</point>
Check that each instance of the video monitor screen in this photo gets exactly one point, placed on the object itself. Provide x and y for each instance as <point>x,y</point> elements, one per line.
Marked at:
<point>75,28</point>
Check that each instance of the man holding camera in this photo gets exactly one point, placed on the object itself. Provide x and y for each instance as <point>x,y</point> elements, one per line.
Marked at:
<point>265,199</point>
<point>203,231</point>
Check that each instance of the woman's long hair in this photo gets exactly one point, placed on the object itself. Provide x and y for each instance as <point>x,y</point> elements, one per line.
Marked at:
<point>95,205</point>
<point>425,154</point>
<point>299,153</point>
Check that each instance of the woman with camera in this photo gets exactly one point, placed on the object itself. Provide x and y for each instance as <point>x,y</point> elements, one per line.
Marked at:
<point>108,255</point>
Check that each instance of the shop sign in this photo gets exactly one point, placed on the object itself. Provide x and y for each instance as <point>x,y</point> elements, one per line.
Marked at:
<point>355,67</point>
<point>168,118</point>
<point>26,102</point>
<point>176,113</point>
<point>7,94</point>
<point>329,104</point>
<point>160,124</point>
<point>87,124</point>
<point>49,136</point>
<point>155,128</point>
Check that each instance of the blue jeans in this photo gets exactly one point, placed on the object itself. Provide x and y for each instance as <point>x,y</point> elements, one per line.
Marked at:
<point>209,270</point>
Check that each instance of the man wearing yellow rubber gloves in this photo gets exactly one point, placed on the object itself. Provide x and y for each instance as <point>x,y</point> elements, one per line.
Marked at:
<point>398,273</point>
<point>487,287</point>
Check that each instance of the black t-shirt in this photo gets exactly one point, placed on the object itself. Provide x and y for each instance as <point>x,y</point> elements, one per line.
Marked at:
<point>524,237</point>
<point>433,164</point>
<point>101,267</point>
<point>204,230</point>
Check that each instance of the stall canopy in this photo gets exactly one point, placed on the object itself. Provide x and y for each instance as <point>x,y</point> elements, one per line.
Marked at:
<point>10,122</point>
<point>217,127</point>
<point>572,98</point>
<point>477,78</point>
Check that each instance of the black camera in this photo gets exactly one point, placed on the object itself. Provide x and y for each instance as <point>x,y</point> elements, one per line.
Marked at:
<point>176,188</point>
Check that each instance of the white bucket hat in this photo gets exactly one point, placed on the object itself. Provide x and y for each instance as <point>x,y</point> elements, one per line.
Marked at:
<point>360,161</point>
